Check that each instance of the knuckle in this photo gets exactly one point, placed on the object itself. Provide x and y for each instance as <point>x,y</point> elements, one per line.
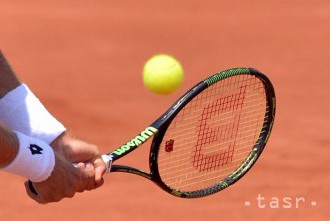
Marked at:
<point>80,186</point>
<point>100,184</point>
<point>95,149</point>
<point>70,193</point>
<point>37,199</point>
<point>46,197</point>
<point>54,196</point>
<point>57,198</point>
<point>41,201</point>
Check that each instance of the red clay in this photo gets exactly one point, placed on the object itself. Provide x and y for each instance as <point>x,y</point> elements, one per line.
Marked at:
<point>84,60</point>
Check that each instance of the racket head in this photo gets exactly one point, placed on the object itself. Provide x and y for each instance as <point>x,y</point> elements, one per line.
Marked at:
<point>213,134</point>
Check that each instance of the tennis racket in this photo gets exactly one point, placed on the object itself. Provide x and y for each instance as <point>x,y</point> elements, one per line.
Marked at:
<point>209,138</point>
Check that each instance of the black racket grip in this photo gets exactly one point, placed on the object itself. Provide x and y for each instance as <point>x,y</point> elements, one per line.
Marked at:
<point>31,187</point>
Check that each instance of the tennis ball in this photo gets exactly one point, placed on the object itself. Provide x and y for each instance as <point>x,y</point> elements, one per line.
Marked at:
<point>162,74</point>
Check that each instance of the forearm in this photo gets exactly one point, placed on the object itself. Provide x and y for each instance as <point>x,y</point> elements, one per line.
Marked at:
<point>8,146</point>
<point>21,110</point>
<point>25,150</point>
<point>8,79</point>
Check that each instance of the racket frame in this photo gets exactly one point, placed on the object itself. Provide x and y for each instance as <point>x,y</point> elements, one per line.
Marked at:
<point>158,129</point>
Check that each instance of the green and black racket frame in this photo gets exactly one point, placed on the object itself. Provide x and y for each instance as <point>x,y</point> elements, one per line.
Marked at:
<point>209,138</point>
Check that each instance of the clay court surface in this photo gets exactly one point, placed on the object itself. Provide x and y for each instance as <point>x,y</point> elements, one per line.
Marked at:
<point>84,60</point>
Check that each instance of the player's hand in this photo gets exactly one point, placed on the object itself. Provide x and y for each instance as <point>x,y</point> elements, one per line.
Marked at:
<point>64,181</point>
<point>75,151</point>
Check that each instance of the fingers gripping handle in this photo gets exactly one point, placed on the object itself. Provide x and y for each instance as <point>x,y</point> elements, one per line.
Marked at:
<point>106,159</point>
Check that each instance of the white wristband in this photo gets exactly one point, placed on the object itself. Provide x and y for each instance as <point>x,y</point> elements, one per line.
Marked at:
<point>35,159</point>
<point>22,111</point>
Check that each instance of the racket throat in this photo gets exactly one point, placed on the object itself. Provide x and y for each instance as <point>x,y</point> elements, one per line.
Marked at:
<point>134,143</point>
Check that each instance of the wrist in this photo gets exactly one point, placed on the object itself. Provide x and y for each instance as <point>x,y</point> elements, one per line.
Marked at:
<point>34,160</point>
<point>75,150</point>
<point>61,144</point>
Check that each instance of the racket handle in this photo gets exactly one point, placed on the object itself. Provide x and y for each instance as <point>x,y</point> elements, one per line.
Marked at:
<point>108,162</point>
<point>106,159</point>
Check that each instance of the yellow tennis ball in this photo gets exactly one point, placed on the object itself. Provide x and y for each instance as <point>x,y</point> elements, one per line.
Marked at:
<point>162,74</point>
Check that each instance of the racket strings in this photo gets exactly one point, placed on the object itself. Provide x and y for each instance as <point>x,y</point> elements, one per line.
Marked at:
<point>183,156</point>
<point>213,134</point>
<point>243,140</point>
<point>190,120</point>
<point>172,174</point>
<point>185,129</point>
